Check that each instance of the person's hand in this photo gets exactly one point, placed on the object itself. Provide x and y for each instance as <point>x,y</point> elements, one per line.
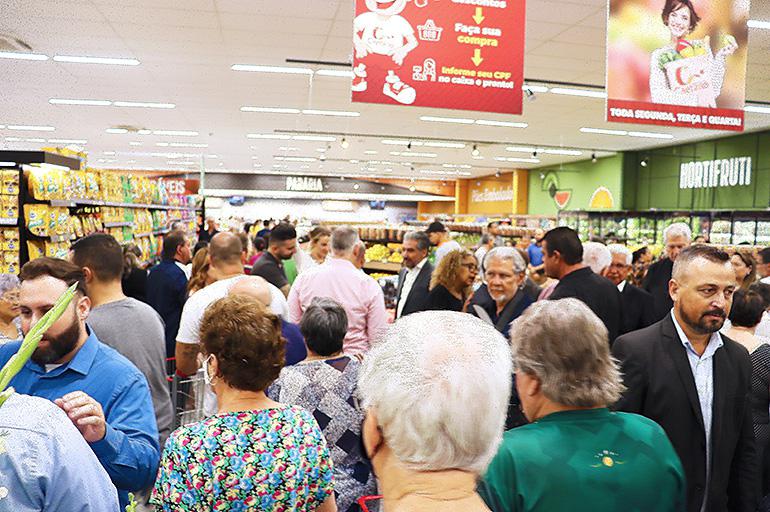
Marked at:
<point>468,302</point>
<point>85,413</point>
<point>728,49</point>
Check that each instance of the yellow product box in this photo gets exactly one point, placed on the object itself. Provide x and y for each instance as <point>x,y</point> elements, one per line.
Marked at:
<point>10,257</point>
<point>63,225</point>
<point>54,183</point>
<point>92,186</point>
<point>10,183</point>
<point>36,216</point>
<point>11,234</point>
<point>12,269</point>
<point>36,249</point>
<point>10,245</point>
<point>9,207</point>
<point>36,184</point>
<point>77,226</point>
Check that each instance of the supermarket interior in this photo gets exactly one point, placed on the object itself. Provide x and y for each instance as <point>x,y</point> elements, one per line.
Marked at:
<point>125,118</point>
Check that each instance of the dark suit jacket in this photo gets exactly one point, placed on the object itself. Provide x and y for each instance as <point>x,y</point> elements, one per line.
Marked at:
<point>513,310</point>
<point>656,283</point>
<point>660,386</point>
<point>167,293</point>
<point>638,309</point>
<point>418,296</point>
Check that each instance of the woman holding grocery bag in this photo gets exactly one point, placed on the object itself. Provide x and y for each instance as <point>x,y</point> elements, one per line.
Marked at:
<point>686,72</point>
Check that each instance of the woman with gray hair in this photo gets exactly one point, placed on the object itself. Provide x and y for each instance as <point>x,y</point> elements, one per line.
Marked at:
<point>435,390</point>
<point>576,451</point>
<point>10,324</point>
<point>326,385</point>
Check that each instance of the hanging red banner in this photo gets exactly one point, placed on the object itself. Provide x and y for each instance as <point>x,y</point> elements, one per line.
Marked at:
<point>453,54</point>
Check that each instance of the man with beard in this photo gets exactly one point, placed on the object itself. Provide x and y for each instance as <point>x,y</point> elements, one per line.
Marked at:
<point>102,393</point>
<point>693,381</point>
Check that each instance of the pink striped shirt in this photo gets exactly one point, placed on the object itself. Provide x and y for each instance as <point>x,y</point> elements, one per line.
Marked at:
<point>359,295</point>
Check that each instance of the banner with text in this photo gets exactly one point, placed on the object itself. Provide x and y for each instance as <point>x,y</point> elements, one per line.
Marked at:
<point>677,62</point>
<point>454,54</point>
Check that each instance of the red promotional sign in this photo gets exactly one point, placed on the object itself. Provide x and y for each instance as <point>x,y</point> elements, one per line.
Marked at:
<point>454,54</point>
<point>677,63</point>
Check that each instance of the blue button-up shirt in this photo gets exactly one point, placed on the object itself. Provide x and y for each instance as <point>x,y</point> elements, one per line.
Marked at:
<point>130,451</point>
<point>702,367</point>
<point>45,464</point>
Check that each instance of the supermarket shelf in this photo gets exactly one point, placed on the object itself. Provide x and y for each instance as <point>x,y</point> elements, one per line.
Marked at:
<point>140,235</point>
<point>161,231</point>
<point>117,224</point>
<point>378,266</point>
<point>9,222</point>
<point>71,203</point>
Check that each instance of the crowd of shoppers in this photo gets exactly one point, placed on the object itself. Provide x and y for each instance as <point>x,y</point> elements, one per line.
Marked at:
<point>625,384</point>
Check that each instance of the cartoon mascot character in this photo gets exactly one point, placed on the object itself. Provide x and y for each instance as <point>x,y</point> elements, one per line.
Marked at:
<point>385,38</point>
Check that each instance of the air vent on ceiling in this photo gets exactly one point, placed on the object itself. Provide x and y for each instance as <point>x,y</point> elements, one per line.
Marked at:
<point>10,43</point>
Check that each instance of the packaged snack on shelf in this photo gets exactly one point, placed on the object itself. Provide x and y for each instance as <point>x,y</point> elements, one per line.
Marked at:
<point>9,207</point>
<point>92,186</point>
<point>36,249</point>
<point>12,269</point>
<point>36,184</point>
<point>53,182</point>
<point>10,183</point>
<point>77,226</point>
<point>36,216</point>
<point>10,258</point>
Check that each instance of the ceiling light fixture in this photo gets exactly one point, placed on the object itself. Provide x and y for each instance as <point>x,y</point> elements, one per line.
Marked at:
<point>497,174</point>
<point>31,128</point>
<point>23,56</point>
<point>288,148</point>
<point>271,110</point>
<point>475,151</point>
<point>7,164</point>
<point>514,159</point>
<point>757,109</point>
<point>759,24</point>
<point>356,186</point>
<point>334,72</point>
<point>502,124</point>
<point>294,159</point>
<point>370,152</point>
<point>174,133</point>
<point>92,103</point>
<point>400,142</point>
<point>134,143</point>
<point>651,135</point>
<point>593,157</point>
<point>453,145</point>
<point>586,93</point>
<point>68,141</point>
<point>184,144</point>
<point>143,104</point>
<point>602,131</point>
<point>567,152</point>
<point>535,88</point>
<point>344,144</point>
<point>331,113</point>
<point>315,138</point>
<point>644,162</point>
<point>96,60</point>
<point>269,136</point>
<point>456,120</point>
<point>272,69</point>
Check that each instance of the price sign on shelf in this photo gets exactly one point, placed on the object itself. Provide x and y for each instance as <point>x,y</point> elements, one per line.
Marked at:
<point>454,54</point>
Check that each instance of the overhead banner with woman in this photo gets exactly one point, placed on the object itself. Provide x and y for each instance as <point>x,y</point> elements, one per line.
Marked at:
<point>677,62</point>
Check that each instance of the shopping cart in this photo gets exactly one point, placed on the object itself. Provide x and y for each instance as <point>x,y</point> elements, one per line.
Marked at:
<point>188,394</point>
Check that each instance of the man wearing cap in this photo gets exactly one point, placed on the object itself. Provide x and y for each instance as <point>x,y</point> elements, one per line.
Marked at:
<point>439,236</point>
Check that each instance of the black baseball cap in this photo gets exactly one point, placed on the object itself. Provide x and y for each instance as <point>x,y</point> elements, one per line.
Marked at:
<point>436,227</point>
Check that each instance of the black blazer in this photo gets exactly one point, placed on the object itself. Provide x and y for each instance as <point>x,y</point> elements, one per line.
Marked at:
<point>418,296</point>
<point>660,386</point>
<point>656,283</point>
<point>638,309</point>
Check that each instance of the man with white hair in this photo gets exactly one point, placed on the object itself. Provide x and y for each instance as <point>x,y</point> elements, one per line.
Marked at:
<point>676,237</point>
<point>505,274</point>
<point>341,280</point>
<point>638,306</point>
<point>435,392</point>
<point>576,452</point>
<point>597,257</point>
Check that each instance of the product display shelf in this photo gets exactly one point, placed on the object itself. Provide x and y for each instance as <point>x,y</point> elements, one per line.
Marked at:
<point>71,203</point>
<point>385,267</point>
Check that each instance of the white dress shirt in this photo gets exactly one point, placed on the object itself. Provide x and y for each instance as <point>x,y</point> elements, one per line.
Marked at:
<point>409,278</point>
<point>621,286</point>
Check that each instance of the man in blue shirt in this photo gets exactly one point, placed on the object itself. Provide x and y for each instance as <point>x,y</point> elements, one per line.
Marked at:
<point>102,393</point>
<point>45,464</point>
<point>167,285</point>
<point>535,252</point>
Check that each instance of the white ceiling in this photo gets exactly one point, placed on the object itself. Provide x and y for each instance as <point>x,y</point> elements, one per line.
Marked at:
<point>186,49</point>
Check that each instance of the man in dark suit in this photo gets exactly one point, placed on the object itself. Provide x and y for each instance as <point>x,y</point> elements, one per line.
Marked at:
<point>694,382</point>
<point>563,260</point>
<point>676,237</point>
<point>414,278</point>
<point>638,305</point>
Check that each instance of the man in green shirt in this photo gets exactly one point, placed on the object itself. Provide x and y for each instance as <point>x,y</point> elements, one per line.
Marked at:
<point>576,454</point>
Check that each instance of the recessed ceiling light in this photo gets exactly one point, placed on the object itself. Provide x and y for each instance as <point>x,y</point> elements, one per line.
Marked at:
<point>315,138</point>
<point>294,159</point>
<point>94,103</point>
<point>23,56</point>
<point>144,132</point>
<point>31,128</point>
<point>144,104</point>
<point>586,93</point>
<point>116,130</point>
<point>212,156</point>
<point>333,113</point>
<point>334,72</point>
<point>503,124</point>
<point>651,135</point>
<point>34,140</point>
<point>181,133</point>
<point>535,88</point>
<point>134,143</point>
<point>272,69</point>
<point>13,139</point>
<point>521,160</point>
<point>567,152</point>
<point>289,148</point>
<point>96,60</point>
<point>456,120</point>
<point>187,145</point>
<point>416,155</point>
<point>370,152</point>
<point>757,109</point>
<point>270,110</point>
<point>759,24</point>
<point>603,131</point>
<point>520,149</point>
<point>270,136</point>
<point>438,144</point>
<point>68,141</point>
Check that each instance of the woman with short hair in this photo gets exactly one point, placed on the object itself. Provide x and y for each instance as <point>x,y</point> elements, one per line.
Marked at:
<point>326,384</point>
<point>452,282</point>
<point>255,454</point>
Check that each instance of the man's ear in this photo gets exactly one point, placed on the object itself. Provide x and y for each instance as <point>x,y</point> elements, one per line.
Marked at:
<point>674,289</point>
<point>371,435</point>
<point>89,274</point>
<point>83,308</point>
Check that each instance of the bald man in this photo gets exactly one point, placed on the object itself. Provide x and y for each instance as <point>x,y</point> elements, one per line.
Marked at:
<point>259,289</point>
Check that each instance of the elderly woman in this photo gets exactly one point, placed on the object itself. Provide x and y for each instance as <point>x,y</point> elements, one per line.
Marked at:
<point>10,324</point>
<point>614,461</point>
<point>452,281</point>
<point>435,391</point>
<point>255,454</point>
<point>326,384</point>
<point>505,276</point>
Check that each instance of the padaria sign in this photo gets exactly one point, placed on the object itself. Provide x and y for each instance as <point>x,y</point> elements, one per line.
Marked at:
<point>304,184</point>
<point>726,172</point>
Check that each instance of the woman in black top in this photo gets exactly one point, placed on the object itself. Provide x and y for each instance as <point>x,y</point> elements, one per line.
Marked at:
<point>452,281</point>
<point>134,275</point>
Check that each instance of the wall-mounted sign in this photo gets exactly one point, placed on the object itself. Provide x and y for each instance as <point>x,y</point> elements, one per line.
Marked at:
<point>488,196</point>
<point>727,172</point>
<point>458,54</point>
<point>304,184</point>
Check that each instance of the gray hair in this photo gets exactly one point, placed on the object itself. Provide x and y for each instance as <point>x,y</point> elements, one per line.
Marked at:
<point>596,256</point>
<point>423,242</point>
<point>506,254</point>
<point>344,239</point>
<point>564,345</point>
<point>8,282</point>
<point>621,249</point>
<point>430,381</point>
<point>324,326</point>
<point>485,239</point>
<point>677,229</point>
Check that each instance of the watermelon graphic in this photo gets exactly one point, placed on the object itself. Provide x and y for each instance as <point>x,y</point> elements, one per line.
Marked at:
<point>562,197</point>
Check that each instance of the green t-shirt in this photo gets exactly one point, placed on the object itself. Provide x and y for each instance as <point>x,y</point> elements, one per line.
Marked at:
<point>593,460</point>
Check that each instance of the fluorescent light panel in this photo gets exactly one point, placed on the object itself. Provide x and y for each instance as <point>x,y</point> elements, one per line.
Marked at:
<point>31,128</point>
<point>535,88</point>
<point>270,110</point>
<point>92,103</point>
<point>116,130</point>
<point>333,113</point>
<point>96,60</point>
<point>334,72</point>
<point>603,131</point>
<point>587,93</point>
<point>759,24</point>
<point>143,104</point>
<point>268,136</point>
<point>521,160</point>
<point>651,135</point>
<point>502,124</point>
<point>68,141</point>
<point>757,109</point>
<point>181,133</point>
<point>456,120</point>
<point>315,138</point>
<point>7,164</point>
<point>22,56</point>
<point>272,69</point>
